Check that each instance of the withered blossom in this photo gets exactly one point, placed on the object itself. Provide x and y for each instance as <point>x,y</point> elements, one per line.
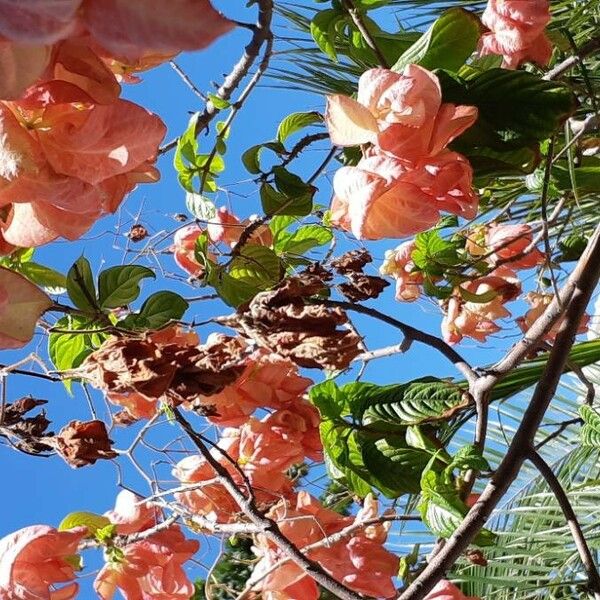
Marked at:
<point>82,443</point>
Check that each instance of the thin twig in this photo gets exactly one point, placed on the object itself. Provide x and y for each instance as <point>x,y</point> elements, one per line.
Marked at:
<point>576,531</point>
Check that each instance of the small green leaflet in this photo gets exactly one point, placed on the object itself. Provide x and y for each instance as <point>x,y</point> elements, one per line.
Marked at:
<point>80,286</point>
<point>295,122</point>
<point>158,310</point>
<point>92,521</point>
<point>322,29</point>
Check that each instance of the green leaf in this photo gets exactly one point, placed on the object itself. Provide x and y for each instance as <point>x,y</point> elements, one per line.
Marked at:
<point>477,298</point>
<point>295,122</point>
<point>447,44</point>
<point>232,291</point>
<point>52,281</point>
<point>276,203</point>
<point>158,310</point>
<point>200,207</point>
<point>329,399</point>
<point>69,350</point>
<point>516,106</point>
<point>419,401</point>
<point>442,509</point>
<point>218,102</point>
<point>394,467</point>
<point>469,457</point>
<point>590,432</point>
<point>257,266</point>
<point>433,254</point>
<point>343,458</point>
<point>572,247</point>
<point>119,286</point>
<point>92,521</point>
<point>251,157</point>
<point>80,285</point>
<point>322,29</point>
<point>586,172</point>
<point>303,239</point>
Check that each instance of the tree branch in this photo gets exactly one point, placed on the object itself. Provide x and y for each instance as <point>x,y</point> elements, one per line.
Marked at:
<point>578,536</point>
<point>411,333</point>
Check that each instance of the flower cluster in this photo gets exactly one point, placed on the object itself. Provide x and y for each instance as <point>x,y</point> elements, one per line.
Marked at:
<point>358,559</point>
<point>70,148</point>
<point>517,31</point>
<point>407,176</point>
<point>149,565</point>
<point>476,304</point>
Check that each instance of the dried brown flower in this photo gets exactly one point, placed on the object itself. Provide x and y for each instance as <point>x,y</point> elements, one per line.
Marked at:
<point>288,321</point>
<point>137,233</point>
<point>84,442</point>
<point>362,287</point>
<point>130,365</point>
<point>351,262</point>
<point>172,371</point>
<point>28,434</point>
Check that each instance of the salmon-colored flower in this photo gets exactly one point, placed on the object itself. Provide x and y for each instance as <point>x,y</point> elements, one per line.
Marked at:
<point>401,113</point>
<point>359,561</point>
<point>383,197</point>
<point>268,381</point>
<point>446,590</point>
<point>99,142</point>
<point>476,319</point>
<point>269,447</point>
<point>38,21</point>
<point>128,30</point>
<point>398,263</point>
<point>226,227</point>
<point>34,559</point>
<point>184,246</point>
<point>517,31</point>
<point>21,65</point>
<point>131,514</point>
<point>21,305</point>
<point>508,244</point>
<point>151,569</point>
<point>539,303</point>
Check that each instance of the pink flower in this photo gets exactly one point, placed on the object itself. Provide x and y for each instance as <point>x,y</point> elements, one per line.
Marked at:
<point>475,319</point>
<point>401,113</point>
<point>382,197</point>
<point>509,242</point>
<point>184,246</point>
<point>151,569</point>
<point>271,446</point>
<point>128,30</point>
<point>359,561</point>
<point>539,303</point>
<point>268,380</point>
<point>398,264</point>
<point>446,590</point>
<point>131,514</point>
<point>21,305</point>
<point>21,66</point>
<point>34,559</point>
<point>517,31</point>
<point>226,227</point>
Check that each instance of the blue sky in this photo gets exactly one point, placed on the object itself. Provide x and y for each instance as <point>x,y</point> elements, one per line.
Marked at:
<point>43,490</point>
